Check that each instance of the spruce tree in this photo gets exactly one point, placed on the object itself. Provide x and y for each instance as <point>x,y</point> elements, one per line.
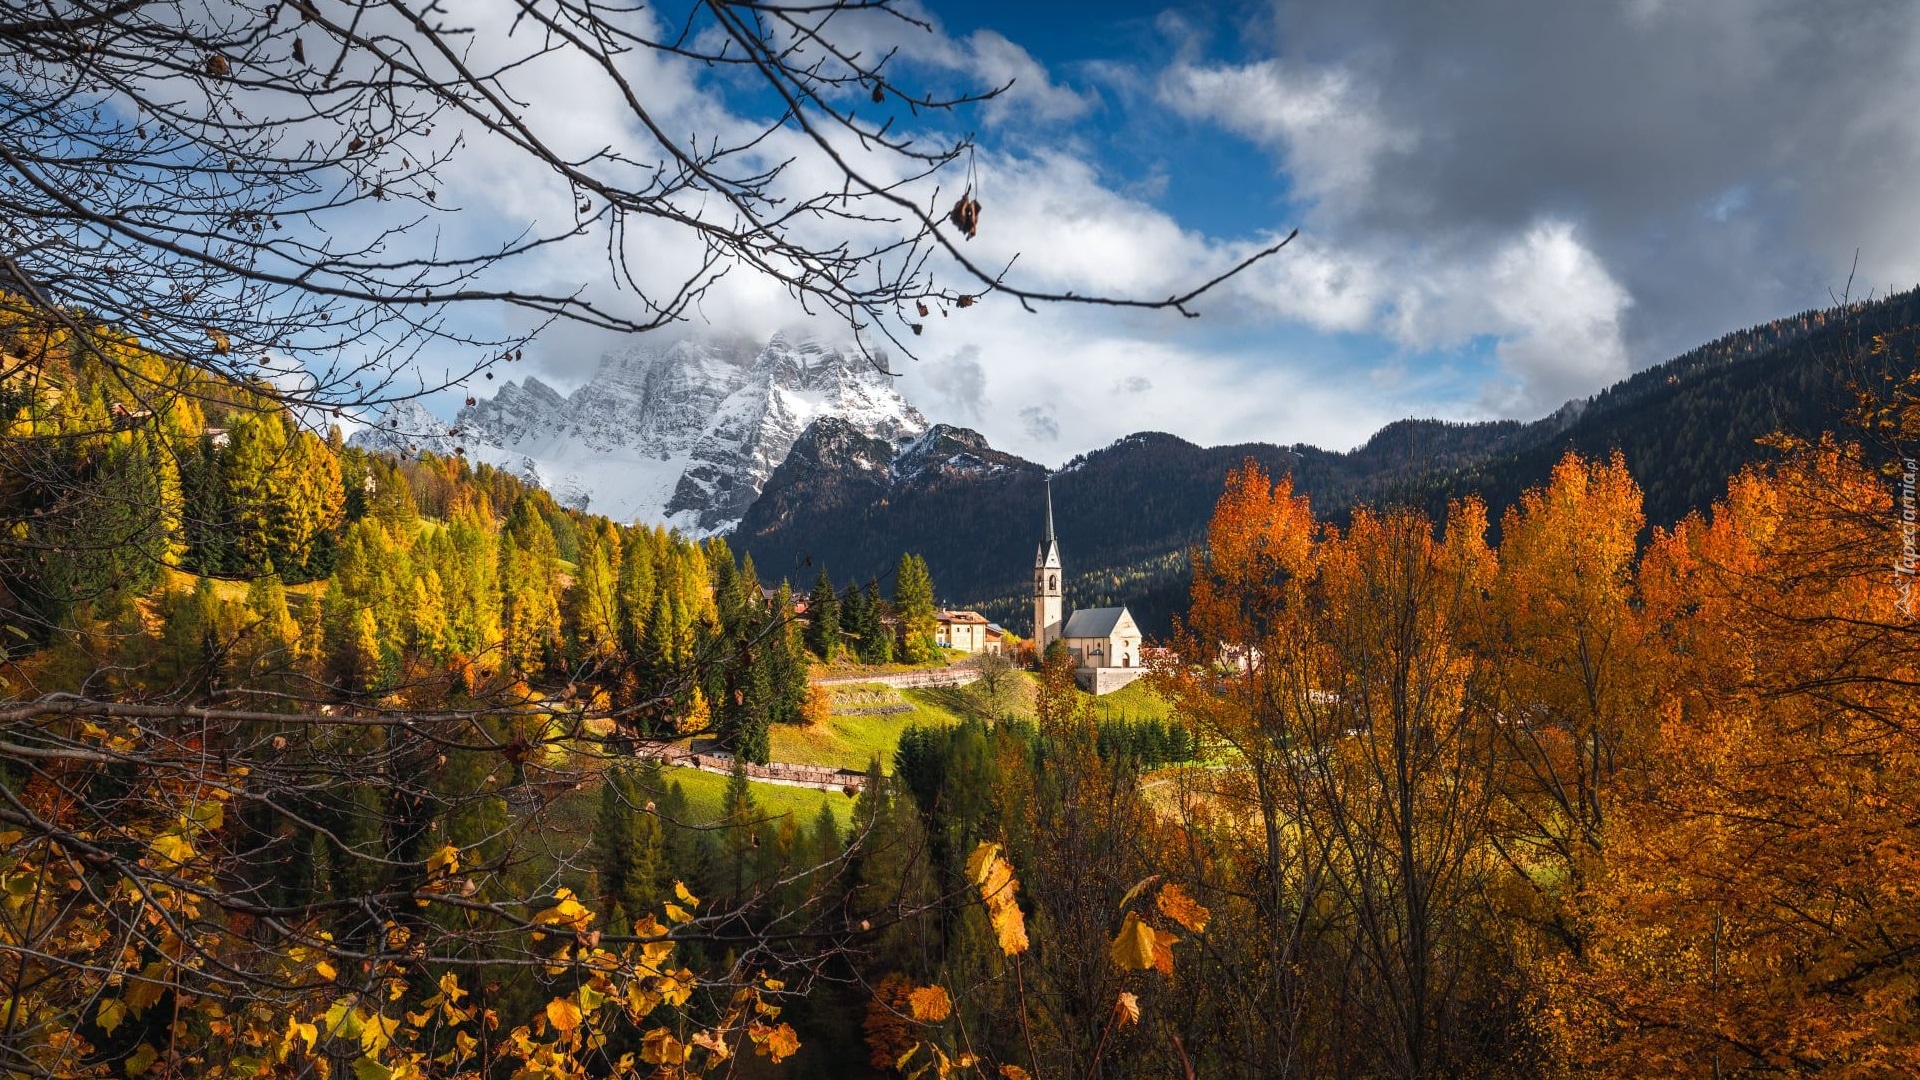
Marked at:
<point>823,618</point>
<point>787,661</point>
<point>913,603</point>
<point>876,636</point>
<point>628,846</point>
<point>741,820</point>
<point>853,621</point>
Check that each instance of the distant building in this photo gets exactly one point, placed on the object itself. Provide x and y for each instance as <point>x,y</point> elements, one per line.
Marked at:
<point>996,638</point>
<point>1105,643</point>
<point>964,631</point>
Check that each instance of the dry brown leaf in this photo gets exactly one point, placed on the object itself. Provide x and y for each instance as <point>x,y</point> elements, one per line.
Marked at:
<point>1175,904</point>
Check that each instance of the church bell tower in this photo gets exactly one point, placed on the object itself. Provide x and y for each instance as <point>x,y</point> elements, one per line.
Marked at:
<point>1047,597</point>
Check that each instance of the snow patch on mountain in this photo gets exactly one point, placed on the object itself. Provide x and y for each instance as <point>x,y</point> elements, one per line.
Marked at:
<point>683,435</point>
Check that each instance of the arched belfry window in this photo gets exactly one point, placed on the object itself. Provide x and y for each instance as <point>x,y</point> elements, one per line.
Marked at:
<point>1053,581</point>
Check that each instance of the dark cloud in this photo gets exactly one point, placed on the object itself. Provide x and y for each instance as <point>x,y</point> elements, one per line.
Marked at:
<point>1723,158</point>
<point>1133,384</point>
<point>1040,423</point>
<point>959,382</point>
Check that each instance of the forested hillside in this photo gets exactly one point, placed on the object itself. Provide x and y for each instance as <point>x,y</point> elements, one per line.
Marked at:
<point>171,534</point>
<point>1127,513</point>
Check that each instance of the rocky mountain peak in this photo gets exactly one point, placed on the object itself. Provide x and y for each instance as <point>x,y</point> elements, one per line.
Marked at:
<point>683,434</point>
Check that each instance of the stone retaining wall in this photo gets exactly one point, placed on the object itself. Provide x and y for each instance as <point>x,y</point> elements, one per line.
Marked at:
<point>1105,680</point>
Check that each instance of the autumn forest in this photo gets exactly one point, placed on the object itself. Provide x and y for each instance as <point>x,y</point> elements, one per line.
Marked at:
<point>1580,746</point>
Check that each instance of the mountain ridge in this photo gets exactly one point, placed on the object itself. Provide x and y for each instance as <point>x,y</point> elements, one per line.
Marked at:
<point>1127,512</point>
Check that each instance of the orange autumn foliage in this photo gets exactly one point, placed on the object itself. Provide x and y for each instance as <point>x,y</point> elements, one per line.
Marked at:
<point>1760,910</point>
<point>1669,791</point>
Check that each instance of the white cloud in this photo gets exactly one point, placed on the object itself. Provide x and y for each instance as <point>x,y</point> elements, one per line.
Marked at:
<point>1324,123</point>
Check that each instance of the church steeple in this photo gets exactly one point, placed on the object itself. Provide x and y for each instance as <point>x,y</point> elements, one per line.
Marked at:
<point>1049,552</point>
<point>1048,600</point>
<point>1049,536</point>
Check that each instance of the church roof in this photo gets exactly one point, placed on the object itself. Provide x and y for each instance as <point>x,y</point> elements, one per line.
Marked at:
<point>1093,622</point>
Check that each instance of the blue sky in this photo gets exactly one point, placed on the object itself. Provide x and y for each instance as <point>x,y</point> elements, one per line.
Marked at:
<point>1502,205</point>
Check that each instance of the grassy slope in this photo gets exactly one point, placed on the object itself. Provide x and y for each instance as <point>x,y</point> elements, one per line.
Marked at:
<point>1135,701</point>
<point>850,742</point>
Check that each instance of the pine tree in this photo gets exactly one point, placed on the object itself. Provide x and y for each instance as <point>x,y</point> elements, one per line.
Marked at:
<point>823,618</point>
<point>741,820</point>
<point>913,603</point>
<point>787,661</point>
<point>750,715</point>
<point>628,846</point>
<point>876,637</point>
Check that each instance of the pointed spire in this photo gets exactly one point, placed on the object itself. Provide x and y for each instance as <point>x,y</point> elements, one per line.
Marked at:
<point>1048,540</point>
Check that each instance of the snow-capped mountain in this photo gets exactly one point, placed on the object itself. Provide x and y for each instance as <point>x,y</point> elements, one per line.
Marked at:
<point>684,434</point>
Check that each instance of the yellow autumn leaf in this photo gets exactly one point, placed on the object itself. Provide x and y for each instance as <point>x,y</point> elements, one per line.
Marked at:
<point>994,878</point>
<point>208,815</point>
<point>680,893</point>
<point>1126,1009</point>
<point>980,861</point>
<point>1133,946</point>
<point>659,1047</point>
<point>782,1044</point>
<point>564,1015</point>
<point>306,1033</point>
<point>1175,904</point>
<point>1010,927</point>
<point>112,1011</point>
<point>930,1004</point>
<point>677,914</point>
<point>173,850</point>
<point>444,861</point>
<point>145,989</point>
<point>590,1000</point>
<point>1014,1072</point>
<point>140,1060</point>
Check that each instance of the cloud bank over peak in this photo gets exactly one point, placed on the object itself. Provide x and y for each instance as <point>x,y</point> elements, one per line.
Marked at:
<point>1500,207</point>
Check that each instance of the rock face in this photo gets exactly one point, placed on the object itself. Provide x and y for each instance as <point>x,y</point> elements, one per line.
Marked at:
<point>684,435</point>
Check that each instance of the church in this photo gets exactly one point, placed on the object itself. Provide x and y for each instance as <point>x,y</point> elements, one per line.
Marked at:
<point>1104,642</point>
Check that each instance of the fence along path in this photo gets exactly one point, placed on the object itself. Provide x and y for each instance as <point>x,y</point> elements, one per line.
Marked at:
<point>817,777</point>
<point>957,675</point>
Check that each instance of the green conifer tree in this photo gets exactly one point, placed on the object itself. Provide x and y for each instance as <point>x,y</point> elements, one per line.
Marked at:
<point>913,604</point>
<point>876,636</point>
<point>823,618</point>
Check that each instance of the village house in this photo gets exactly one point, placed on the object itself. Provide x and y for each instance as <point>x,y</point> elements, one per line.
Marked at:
<point>965,631</point>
